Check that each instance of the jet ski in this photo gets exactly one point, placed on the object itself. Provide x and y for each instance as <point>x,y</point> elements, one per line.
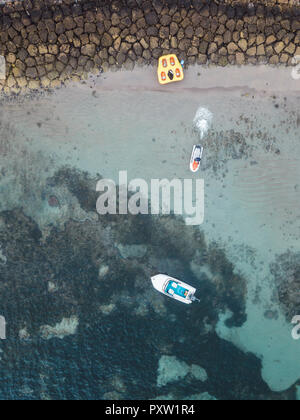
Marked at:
<point>174,288</point>
<point>196,158</point>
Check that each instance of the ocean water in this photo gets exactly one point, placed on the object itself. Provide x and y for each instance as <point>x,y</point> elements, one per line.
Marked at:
<point>83,321</point>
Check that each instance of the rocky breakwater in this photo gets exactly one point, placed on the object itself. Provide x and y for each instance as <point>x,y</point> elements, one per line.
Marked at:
<point>46,43</point>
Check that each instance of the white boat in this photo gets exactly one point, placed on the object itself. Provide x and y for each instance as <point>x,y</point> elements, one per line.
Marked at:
<point>196,158</point>
<point>174,288</point>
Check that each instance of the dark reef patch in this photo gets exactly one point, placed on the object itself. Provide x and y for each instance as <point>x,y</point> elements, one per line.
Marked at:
<point>286,271</point>
<point>124,326</point>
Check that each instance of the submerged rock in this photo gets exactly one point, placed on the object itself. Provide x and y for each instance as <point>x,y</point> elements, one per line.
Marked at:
<point>171,369</point>
<point>132,251</point>
<point>68,326</point>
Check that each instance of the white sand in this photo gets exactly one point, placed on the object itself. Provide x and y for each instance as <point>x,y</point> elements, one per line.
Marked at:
<point>251,209</point>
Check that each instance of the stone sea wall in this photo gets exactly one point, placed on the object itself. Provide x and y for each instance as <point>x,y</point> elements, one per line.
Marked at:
<point>46,43</point>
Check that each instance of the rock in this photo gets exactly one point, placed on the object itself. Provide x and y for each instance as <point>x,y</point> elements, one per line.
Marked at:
<point>117,44</point>
<point>90,28</point>
<point>227,37</point>
<point>95,39</point>
<point>22,82</point>
<point>115,19</point>
<point>192,51</point>
<point>89,50</point>
<point>144,44</point>
<point>270,40</point>
<point>53,75</point>
<point>132,251</point>
<point>43,49</point>
<point>223,51</point>
<point>274,59</point>
<point>138,49</point>
<point>32,50</point>
<point>170,370</point>
<point>260,39</point>
<point>52,37</point>
<point>31,72</point>
<point>223,61</point>
<point>184,44</point>
<point>232,48</point>
<point>49,58</point>
<point>67,327</point>
<point>131,39</point>
<point>69,23</point>
<point>189,32</point>
<point>261,50</point>
<point>125,47</point>
<point>285,24</point>
<point>129,64</point>
<point>174,43</point>
<point>290,49</point>
<point>231,24</point>
<point>174,28</point>
<point>121,57</point>
<point>154,42</point>
<point>279,47</point>
<point>203,47</point>
<point>251,52</point>
<point>63,58</point>
<point>10,81</point>
<point>164,32</point>
<point>165,45</point>
<point>243,44</point>
<point>11,58</point>
<point>17,72</point>
<point>147,55</point>
<point>284,58</point>
<point>240,58</point>
<point>202,59</point>
<point>151,18</point>
<point>30,62</point>
<point>141,23</point>
<point>106,40</point>
<point>221,30</point>
<point>212,48</point>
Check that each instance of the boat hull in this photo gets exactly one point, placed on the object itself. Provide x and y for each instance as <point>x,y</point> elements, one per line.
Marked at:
<point>196,168</point>
<point>161,280</point>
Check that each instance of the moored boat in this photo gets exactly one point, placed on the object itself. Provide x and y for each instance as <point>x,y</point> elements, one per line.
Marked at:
<point>175,289</point>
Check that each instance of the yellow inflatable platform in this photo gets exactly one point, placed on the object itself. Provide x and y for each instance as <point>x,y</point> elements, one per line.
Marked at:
<point>169,70</point>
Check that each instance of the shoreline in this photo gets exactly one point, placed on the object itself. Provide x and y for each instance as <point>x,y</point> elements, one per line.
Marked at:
<point>47,44</point>
<point>83,126</point>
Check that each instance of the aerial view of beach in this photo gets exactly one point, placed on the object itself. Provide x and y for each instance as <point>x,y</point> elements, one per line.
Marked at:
<point>150,202</point>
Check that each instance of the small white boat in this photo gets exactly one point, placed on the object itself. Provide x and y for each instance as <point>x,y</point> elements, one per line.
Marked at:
<point>196,158</point>
<point>174,288</point>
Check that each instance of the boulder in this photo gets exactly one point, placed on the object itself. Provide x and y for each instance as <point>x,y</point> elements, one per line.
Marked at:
<point>232,48</point>
<point>89,50</point>
<point>106,40</point>
<point>31,72</point>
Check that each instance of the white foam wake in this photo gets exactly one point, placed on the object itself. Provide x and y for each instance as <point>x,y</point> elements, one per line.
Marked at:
<point>202,121</point>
